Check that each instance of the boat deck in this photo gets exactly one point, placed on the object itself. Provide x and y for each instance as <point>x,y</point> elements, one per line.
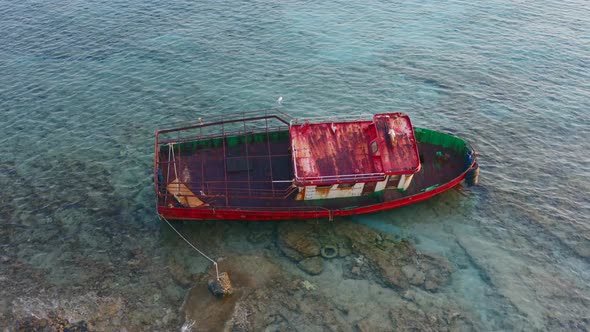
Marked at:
<point>232,173</point>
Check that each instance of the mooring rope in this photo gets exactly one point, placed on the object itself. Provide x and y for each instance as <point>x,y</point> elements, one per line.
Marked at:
<point>190,244</point>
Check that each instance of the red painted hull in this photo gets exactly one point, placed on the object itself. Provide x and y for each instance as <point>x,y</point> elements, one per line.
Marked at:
<point>237,214</point>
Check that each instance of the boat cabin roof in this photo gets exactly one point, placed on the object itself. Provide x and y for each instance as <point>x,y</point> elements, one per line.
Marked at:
<point>333,152</point>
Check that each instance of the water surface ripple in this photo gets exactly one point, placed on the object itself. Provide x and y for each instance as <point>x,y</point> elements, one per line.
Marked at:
<point>84,85</point>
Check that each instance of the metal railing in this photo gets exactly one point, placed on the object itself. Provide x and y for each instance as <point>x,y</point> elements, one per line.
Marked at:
<point>225,119</point>
<point>265,122</point>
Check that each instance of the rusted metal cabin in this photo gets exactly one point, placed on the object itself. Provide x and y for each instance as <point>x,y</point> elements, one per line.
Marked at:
<point>335,159</point>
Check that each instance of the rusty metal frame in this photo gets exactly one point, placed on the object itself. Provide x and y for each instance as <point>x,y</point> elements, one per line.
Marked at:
<point>223,120</point>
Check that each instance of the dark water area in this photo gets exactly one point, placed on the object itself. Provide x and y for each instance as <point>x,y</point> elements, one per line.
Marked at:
<point>85,85</point>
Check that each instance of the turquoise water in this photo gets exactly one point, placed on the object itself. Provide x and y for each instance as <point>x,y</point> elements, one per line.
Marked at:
<point>85,84</point>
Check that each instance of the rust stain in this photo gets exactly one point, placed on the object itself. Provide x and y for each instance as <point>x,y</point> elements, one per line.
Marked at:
<point>338,149</point>
<point>401,155</point>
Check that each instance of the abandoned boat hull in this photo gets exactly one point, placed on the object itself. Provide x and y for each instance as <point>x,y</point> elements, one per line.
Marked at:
<point>226,177</point>
<point>261,214</point>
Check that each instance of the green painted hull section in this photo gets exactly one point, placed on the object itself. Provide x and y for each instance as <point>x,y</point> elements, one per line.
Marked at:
<point>444,140</point>
<point>230,141</point>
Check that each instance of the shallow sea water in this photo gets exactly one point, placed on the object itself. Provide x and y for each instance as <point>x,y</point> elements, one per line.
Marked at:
<point>85,84</point>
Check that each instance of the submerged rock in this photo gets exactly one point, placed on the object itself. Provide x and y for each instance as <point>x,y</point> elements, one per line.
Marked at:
<point>266,298</point>
<point>239,320</point>
<point>396,263</point>
<point>411,318</point>
<point>374,323</point>
<point>221,287</point>
<point>312,265</point>
<point>296,241</point>
<point>344,250</point>
<point>52,323</point>
<point>414,276</point>
<point>179,273</point>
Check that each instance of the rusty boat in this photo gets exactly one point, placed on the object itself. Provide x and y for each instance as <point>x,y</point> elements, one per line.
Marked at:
<point>266,165</point>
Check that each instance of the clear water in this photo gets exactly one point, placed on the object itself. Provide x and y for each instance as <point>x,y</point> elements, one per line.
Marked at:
<point>84,85</point>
